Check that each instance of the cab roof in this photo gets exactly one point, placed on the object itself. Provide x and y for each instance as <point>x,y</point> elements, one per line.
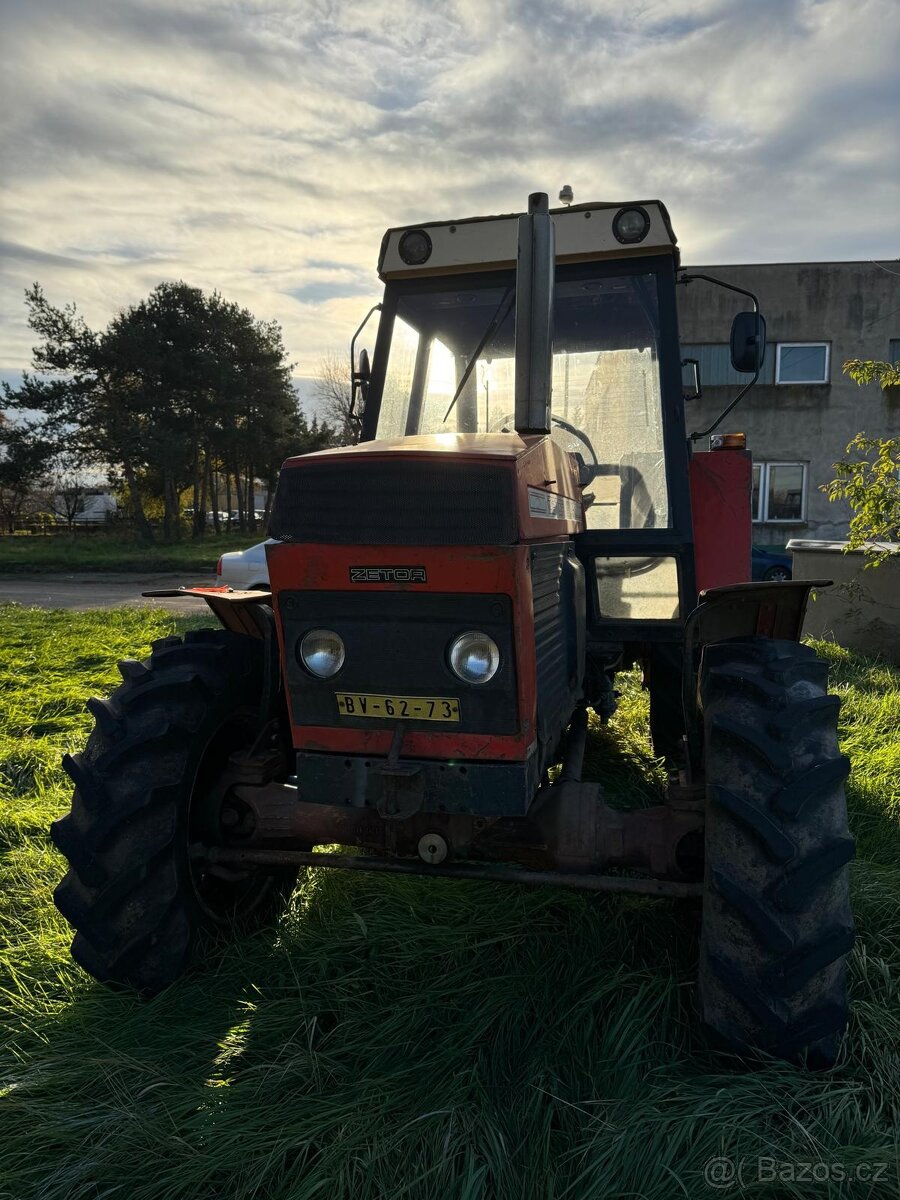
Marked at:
<point>583,232</point>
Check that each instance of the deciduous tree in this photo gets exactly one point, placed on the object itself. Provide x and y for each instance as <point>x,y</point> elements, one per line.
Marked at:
<point>868,478</point>
<point>24,464</point>
<point>862,371</point>
<point>332,389</point>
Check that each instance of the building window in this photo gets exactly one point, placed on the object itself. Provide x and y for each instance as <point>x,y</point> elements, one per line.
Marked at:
<point>715,364</point>
<point>779,492</point>
<point>802,362</point>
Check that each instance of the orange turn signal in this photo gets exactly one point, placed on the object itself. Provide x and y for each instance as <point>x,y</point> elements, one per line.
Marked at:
<point>728,441</point>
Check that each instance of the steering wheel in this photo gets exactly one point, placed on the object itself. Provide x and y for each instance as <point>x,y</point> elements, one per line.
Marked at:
<point>506,424</point>
<point>633,481</point>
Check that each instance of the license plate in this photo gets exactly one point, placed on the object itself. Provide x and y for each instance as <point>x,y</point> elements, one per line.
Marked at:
<point>402,708</point>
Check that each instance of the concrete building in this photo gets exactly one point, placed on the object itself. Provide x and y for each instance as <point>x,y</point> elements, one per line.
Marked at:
<point>803,411</point>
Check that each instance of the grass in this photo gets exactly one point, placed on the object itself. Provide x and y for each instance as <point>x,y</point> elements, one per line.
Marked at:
<point>95,551</point>
<point>412,1038</point>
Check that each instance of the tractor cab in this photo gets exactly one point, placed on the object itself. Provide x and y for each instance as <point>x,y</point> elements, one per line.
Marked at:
<point>451,369</point>
<point>445,363</point>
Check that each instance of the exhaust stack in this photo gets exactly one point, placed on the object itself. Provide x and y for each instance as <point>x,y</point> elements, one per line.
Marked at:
<point>535,270</point>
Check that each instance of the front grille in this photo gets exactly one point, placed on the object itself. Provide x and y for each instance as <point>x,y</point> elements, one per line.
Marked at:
<point>404,502</point>
<point>396,644</point>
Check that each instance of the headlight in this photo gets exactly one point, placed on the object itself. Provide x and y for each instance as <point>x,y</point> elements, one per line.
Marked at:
<point>322,653</point>
<point>415,247</point>
<point>631,224</point>
<point>474,657</point>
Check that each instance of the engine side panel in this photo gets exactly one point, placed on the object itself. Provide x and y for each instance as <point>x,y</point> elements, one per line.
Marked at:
<point>557,579</point>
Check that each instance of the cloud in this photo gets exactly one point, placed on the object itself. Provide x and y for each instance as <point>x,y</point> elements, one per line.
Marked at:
<point>262,147</point>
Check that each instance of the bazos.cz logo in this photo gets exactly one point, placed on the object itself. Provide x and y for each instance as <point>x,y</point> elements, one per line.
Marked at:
<point>723,1174</point>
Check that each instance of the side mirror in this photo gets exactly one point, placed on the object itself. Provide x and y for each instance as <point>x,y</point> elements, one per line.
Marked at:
<point>748,342</point>
<point>359,377</point>
<point>690,379</point>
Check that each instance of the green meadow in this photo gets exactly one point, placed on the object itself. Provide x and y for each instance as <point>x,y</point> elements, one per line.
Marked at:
<point>400,1037</point>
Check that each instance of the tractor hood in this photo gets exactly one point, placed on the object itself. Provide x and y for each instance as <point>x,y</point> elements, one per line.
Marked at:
<point>469,445</point>
<point>436,489</point>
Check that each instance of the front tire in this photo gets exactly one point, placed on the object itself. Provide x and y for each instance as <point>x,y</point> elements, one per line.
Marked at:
<point>144,791</point>
<point>777,925</point>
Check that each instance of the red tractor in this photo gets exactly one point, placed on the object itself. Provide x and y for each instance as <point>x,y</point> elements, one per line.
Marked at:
<point>523,517</point>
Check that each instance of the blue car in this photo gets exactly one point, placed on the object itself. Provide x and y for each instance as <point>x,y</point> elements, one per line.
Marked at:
<point>772,566</point>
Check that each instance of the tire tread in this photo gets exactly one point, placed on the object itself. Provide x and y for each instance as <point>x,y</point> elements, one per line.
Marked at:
<point>777,925</point>
<point>127,891</point>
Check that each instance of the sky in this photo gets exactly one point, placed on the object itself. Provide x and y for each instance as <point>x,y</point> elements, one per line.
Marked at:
<point>262,147</point>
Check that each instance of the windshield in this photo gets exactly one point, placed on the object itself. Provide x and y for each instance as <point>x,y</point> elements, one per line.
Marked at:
<point>606,398</point>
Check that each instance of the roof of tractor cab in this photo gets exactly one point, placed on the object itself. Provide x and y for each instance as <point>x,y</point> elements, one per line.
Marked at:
<point>583,232</point>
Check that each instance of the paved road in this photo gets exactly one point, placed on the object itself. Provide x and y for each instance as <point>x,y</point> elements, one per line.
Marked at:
<point>97,589</point>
